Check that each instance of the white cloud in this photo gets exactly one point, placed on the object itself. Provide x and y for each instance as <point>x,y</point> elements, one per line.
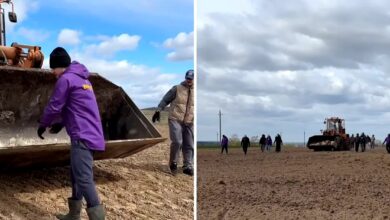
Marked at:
<point>183,46</point>
<point>145,85</point>
<point>69,37</point>
<point>139,81</point>
<point>111,45</point>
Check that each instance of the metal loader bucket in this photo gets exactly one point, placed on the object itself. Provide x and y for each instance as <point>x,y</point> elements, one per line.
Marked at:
<point>23,96</point>
<point>321,142</point>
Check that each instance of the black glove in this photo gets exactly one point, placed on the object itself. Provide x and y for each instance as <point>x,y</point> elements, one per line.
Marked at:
<point>156,116</point>
<point>55,128</point>
<point>40,131</point>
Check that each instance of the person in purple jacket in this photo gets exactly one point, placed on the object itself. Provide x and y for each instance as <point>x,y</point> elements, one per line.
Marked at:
<point>74,102</point>
<point>387,141</point>
<point>268,144</point>
<point>224,144</point>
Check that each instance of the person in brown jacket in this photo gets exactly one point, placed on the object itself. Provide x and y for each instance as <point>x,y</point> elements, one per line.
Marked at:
<point>181,123</point>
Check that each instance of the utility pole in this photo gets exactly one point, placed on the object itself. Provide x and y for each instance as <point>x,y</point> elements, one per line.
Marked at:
<point>220,125</point>
<point>304,139</point>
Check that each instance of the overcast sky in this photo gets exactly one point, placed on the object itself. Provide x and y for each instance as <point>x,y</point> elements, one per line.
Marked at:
<point>143,46</point>
<point>284,66</point>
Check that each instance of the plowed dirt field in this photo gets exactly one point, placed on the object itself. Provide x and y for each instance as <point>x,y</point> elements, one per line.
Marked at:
<point>294,184</point>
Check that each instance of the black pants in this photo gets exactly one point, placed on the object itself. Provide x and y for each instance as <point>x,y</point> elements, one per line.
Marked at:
<point>357,147</point>
<point>278,147</point>
<point>224,147</point>
<point>363,147</point>
<point>245,148</point>
<point>262,147</point>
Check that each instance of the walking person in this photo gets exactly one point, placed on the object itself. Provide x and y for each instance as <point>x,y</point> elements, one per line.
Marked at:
<point>224,144</point>
<point>352,142</point>
<point>181,123</point>
<point>268,143</point>
<point>372,143</point>
<point>363,141</point>
<point>357,142</point>
<point>262,142</point>
<point>74,101</point>
<point>245,143</point>
<point>387,142</point>
<point>279,142</point>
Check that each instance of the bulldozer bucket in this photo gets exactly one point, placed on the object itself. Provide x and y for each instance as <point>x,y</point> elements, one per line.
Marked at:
<point>327,142</point>
<point>24,94</point>
<point>321,142</point>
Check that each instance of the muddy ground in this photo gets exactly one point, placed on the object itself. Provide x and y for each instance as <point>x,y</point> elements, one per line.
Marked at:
<point>137,187</point>
<point>293,184</point>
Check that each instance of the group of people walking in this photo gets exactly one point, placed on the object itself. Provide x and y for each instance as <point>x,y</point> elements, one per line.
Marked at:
<point>360,141</point>
<point>265,143</point>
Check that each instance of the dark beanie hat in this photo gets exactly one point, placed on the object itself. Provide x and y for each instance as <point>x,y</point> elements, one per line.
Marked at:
<point>59,58</point>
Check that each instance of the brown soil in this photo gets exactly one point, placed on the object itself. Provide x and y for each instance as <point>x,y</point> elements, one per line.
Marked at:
<point>293,184</point>
<point>137,187</point>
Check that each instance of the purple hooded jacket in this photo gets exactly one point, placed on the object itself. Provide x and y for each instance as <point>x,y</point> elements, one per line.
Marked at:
<point>224,141</point>
<point>74,101</point>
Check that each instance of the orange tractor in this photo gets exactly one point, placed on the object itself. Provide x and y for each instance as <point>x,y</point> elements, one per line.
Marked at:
<point>333,137</point>
<point>25,89</point>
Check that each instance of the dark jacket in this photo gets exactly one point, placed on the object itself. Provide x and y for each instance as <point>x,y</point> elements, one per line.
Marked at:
<point>245,142</point>
<point>263,140</point>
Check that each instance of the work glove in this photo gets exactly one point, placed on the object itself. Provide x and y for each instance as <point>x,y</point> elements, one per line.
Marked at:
<point>55,128</point>
<point>40,131</point>
<point>156,117</point>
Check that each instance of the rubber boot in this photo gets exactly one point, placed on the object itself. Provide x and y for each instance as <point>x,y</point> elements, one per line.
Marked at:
<point>173,168</point>
<point>74,210</point>
<point>96,213</point>
<point>188,170</point>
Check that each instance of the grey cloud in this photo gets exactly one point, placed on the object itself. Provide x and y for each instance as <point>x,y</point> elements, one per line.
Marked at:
<point>347,39</point>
